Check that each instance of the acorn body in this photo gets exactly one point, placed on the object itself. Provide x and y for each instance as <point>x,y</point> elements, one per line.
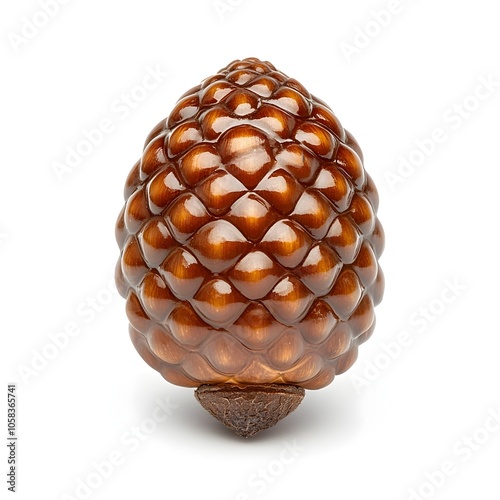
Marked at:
<point>249,238</point>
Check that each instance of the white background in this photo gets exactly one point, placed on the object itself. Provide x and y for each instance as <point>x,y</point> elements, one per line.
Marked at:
<point>379,431</point>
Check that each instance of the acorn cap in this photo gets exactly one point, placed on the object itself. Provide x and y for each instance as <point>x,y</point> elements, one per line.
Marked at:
<point>249,244</point>
<point>248,410</point>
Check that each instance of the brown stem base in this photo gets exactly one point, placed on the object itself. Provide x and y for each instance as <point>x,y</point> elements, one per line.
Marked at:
<point>251,408</point>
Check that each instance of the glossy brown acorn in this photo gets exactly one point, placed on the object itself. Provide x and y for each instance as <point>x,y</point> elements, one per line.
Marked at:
<point>249,245</point>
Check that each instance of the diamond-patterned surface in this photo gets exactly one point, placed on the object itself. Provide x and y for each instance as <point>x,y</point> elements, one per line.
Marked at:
<point>199,163</point>
<point>216,120</point>
<point>287,350</point>
<point>164,346</point>
<point>215,92</point>
<point>219,191</point>
<point>363,317</point>
<point>241,102</point>
<point>246,154</point>
<point>302,164</point>
<point>156,241</point>
<point>348,161</point>
<point>345,294</point>
<point>365,265</point>
<point>280,189</point>
<point>289,300</point>
<point>185,215</point>
<point>249,237</point>
<point>163,188</point>
<point>219,303</point>
<point>320,269</point>
<point>218,245</point>
<point>263,86</point>
<point>361,213</point>
<point>255,274</point>
<point>157,299</point>
<point>257,328</point>
<point>226,354</point>
<point>182,137</point>
<point>274,121</point>
<point>333,184</point>
<point>184,109</point>
<point>318,323</point>
<point>314,212</point>
<point>344,237</point>
<point>287,241</point>
<point>317,138</point>
<point>253,216</point>
<point>305,369</point>
<point>183,273</point>
<point>133,266</point>
<point>292,101</point>
<point>153,159</point>
<point>325,117</point>
<point>136,211</point>
<point>187,327</point>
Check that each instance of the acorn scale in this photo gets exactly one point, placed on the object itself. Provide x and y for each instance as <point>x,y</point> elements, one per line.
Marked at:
<point>249,246</point>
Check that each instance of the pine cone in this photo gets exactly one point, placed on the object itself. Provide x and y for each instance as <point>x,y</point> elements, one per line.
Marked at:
<point>249,245</point>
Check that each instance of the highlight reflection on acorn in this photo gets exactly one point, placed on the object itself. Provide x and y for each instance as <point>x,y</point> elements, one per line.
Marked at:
<point>249,246</point>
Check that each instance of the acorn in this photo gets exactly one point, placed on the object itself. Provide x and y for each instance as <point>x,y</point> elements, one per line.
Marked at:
<point>249,246</point>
